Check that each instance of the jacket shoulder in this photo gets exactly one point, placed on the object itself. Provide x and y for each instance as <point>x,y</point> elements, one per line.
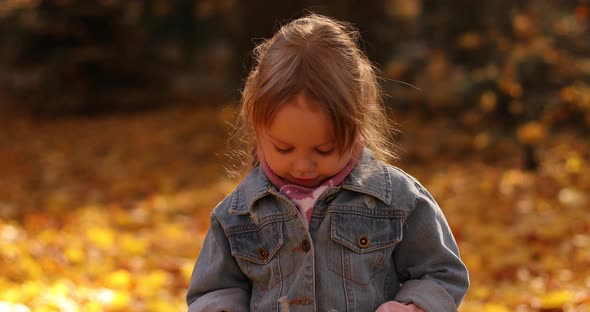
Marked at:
<point>405,188</point>
<point>221,210</point>
<point>234,209</point>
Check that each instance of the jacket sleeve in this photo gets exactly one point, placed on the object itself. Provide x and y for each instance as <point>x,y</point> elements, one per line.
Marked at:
<point>217,283</point>
<point>427,259</point>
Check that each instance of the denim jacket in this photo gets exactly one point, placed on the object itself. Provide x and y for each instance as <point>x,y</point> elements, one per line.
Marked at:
<point>379,236</point>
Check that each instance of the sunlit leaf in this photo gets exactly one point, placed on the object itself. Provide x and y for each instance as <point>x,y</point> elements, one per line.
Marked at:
<point>494,307</point>
<point>556,299</point>
<point>161,305</point>
<point>74,254</point>
<point>487,102</point>
<point>148,285</point>
<point>13,307</point>
<point>532,132</point>
<point>570,196</point>
<point>92,307</point>
<point>574,164</point>
<point>120,279</point>
<point>470,40</point>
<point>132,245</point>
<point>101,236</point>
<point>187,269</point>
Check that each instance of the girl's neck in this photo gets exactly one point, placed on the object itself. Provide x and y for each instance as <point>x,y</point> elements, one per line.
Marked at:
<point>333,180</point>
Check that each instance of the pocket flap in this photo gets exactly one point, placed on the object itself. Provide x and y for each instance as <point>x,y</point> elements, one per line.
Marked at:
<point>364,234</point>
<point>258,245</point>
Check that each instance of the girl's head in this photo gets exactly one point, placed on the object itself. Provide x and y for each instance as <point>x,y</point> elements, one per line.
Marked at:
<point>314,63</point>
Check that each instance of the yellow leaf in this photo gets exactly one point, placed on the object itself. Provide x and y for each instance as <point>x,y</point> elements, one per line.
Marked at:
<point>133,246</point>
<point>121,300</point>
<point>171,232</point>
<point>114,300</point>
<point>47,235</point>
<point>148,285</point>
<point>120,279</point>
<point>574,164</point>
<point>556,299</point>
<point>487,102</point>
<point>187,269</point>
<point>481,292</point>
<point>55,302</point>
<point>567,94</point>
<point>92,215</point>
<point>31,267</point>
<point>101,236</point>
<point>74,254</point>
<point>515,90</point>
<point>30,290</point>
<point>159,305</point>
<point>482,140</point>
<point>11,294</point>
<point>92,307</point>
<point>572,197</point>
<point>13,307</point>
<point>470,40</point>
<point>494,307</point>
<point>532,133</point>
<point>61,288</point>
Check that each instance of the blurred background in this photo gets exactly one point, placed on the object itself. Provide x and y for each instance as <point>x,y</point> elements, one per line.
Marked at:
<point>114,116</point>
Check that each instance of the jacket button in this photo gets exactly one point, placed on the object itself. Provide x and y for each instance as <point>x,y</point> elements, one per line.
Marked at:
<point>370,202</point>
<point>262,253</point>
<point>305,245</point>
<point>363,241</point>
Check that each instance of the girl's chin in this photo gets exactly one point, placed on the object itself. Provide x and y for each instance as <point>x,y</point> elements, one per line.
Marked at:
<point>306,182</point>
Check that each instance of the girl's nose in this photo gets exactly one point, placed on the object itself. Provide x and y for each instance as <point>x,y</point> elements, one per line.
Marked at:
<point>303,166</point>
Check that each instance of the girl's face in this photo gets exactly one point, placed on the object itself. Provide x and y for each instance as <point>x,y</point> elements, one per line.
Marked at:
<point>300,146</point>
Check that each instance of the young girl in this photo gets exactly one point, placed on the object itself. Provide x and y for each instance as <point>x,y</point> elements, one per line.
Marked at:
<point>320,223</point>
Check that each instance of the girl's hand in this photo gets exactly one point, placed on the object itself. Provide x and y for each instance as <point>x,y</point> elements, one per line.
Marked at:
<point>394,306</point>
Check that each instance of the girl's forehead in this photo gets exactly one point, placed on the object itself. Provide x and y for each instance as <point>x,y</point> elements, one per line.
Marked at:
<point>294,106</point>
<point>301,107</point>
<point>300,121</point>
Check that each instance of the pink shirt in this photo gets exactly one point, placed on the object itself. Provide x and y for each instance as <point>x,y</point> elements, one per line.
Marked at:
<point>305,197</point>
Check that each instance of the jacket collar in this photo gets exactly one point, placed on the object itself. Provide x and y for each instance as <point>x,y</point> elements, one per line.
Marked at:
<point>370,176</point>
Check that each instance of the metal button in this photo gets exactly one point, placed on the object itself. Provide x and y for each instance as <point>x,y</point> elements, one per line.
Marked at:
<point>262,253</point>
<point>363,241</point>
<point>370,202</point>
<point>305,245</point>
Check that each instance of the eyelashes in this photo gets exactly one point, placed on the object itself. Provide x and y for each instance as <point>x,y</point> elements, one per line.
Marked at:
<point>283,150</point>
<point>325,153</point>
<point>290,149</point>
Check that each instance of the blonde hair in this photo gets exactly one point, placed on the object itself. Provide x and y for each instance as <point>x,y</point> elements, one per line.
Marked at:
<point>318,57</point>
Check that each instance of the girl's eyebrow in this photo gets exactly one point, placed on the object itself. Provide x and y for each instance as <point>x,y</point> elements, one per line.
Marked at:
<point>275,140</point>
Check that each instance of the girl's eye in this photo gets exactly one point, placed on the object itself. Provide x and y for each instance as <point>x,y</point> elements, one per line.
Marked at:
<point>283,150</point>
<point>325,152</point>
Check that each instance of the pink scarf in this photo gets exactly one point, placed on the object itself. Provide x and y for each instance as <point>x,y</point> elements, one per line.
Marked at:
<point>305,197</point>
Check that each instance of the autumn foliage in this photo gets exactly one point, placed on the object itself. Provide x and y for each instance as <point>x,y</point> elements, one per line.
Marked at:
<point>107,214</point>
<point>103,211</point>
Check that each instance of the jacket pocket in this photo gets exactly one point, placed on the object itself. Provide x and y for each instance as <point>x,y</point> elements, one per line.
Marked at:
<point>255,249</point>
<point>366,242</point>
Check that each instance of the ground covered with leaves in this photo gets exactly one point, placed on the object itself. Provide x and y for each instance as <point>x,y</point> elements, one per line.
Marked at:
<point>108,213</point>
